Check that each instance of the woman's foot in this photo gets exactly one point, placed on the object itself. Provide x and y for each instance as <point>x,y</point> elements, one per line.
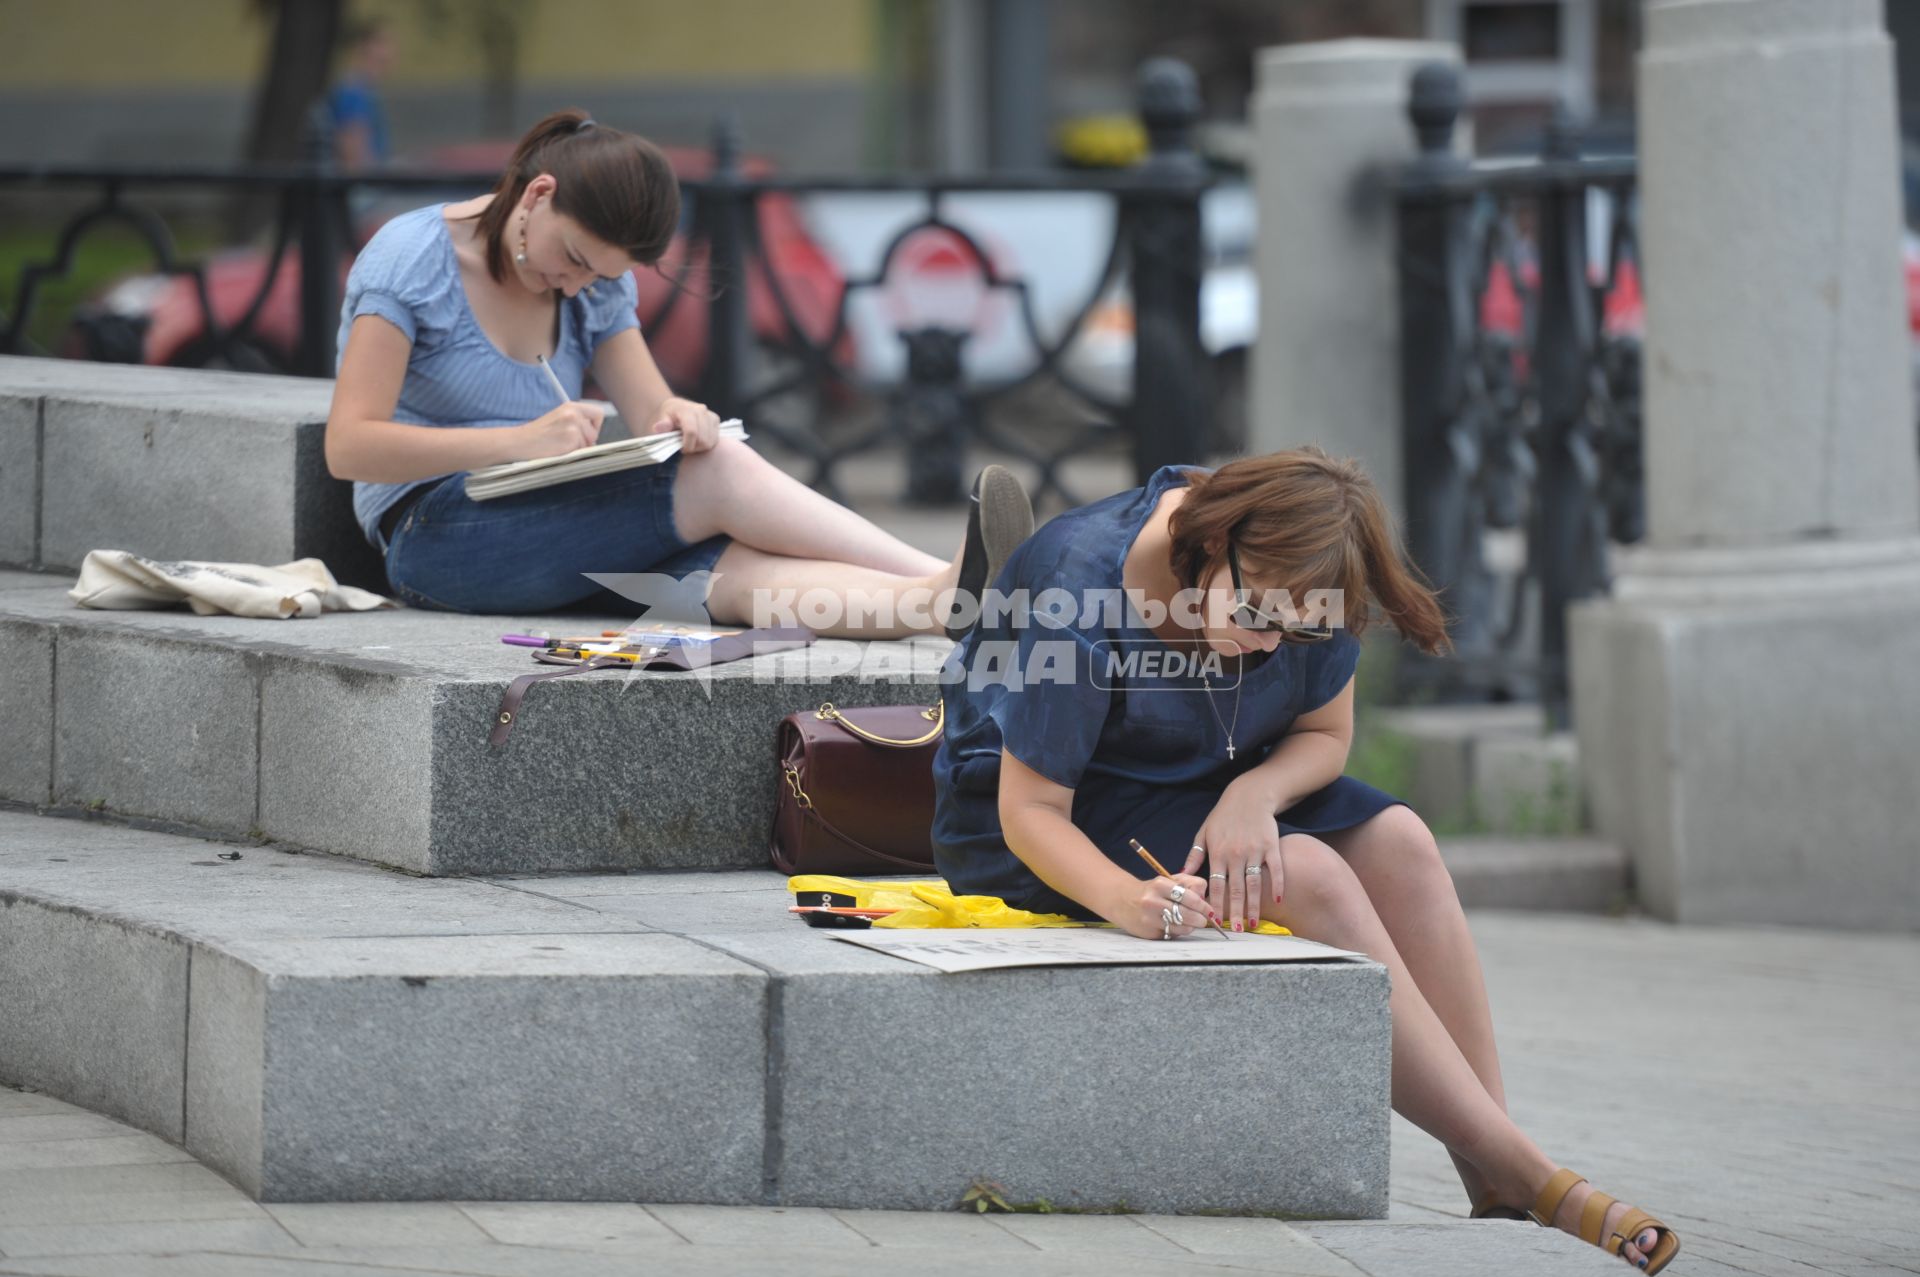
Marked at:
<point>1567,1217</point>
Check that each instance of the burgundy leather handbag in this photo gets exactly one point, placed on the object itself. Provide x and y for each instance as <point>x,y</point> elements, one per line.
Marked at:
<point>856,794</point>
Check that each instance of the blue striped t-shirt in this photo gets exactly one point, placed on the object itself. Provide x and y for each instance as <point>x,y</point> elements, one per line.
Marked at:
<point>408,275</point>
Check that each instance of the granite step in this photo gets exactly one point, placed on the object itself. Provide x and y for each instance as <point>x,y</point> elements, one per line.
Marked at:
<point>1569,874</point>
<point>317,1029</point>
<point>366,734</point>
<point>171,463</point>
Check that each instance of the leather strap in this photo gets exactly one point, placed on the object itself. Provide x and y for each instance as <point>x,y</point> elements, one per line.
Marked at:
<point>517,692</point>
<point>810,812</point>
<point>1593,1217</point>
<point>935,713</point>
<point>1553,1194</point>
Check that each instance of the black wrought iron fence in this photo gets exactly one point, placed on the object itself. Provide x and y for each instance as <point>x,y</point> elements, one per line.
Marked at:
<point>1520,395</point>
<point>765,350</point>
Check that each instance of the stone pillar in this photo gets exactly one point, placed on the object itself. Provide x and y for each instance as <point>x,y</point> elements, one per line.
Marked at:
<point>1748,701</point>
<point>1330,131</point>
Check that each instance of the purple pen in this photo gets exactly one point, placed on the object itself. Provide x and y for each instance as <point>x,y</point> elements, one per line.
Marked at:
<point>525,640</point>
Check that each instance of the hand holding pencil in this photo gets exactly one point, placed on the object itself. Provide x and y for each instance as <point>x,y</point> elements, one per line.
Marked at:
<point>1181,904</point>
<point>572,425</point>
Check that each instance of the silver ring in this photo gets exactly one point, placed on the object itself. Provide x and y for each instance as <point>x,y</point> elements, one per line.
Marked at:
<point>1253,871</point>
<point>1179,918</point>
<point>1221,877</point>
<point>1166,924</point>
<point>1178,893</point>
<point>1197,847</point>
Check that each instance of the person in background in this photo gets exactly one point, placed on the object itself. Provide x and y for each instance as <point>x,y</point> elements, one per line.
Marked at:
<point>354,110</point>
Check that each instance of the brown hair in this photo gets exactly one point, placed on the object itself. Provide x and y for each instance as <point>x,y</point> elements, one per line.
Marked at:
<point>617,185</point>
<point>1312,522</point>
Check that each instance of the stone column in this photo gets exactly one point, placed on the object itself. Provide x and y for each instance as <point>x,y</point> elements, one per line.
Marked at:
<point>1748,701</point>
<point>1330,131</point>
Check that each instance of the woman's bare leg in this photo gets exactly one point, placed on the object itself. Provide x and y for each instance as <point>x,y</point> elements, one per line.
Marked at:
<point>859,602</point>
<point>1398,864</point>
<point>733,489</point>
<point>1433,1085</point>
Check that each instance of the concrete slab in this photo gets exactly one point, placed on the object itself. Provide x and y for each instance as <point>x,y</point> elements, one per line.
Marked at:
<point>517,1068</point>
<point>19,480</point>
<point>354,1034</point>
<point>94,1010</point>
<point>776,1226</point>
<point>127,458</point>
<point>26,705</point>
<point>604,1226</point>
<point>286,729</point>
<point>154,726</point>
<point>1447,1250</point>
<point>1577,874</point>
<point>177,883</point>
<point>1012,1105</point>
<point>374,728</point>
<point>378,1224</point>
<point>113,1242</point>
<point>1264,1241</point>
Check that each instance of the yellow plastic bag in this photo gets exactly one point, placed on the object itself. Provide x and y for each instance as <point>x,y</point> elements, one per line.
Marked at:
<point>928,905</point>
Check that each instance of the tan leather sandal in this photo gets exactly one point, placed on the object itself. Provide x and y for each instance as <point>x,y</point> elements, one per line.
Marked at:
<point>1593,1218</point>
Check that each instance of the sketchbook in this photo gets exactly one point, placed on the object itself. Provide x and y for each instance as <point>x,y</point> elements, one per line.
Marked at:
<point>606,458</point>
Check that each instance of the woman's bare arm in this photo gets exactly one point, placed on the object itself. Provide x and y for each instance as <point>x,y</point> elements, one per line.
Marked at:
<point>626,370</point>
<point>1036,819</point>
<point>362,442</point>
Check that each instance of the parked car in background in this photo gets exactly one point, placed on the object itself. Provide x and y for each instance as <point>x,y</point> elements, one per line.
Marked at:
<point>1047,249</point>
<point>157,318</point>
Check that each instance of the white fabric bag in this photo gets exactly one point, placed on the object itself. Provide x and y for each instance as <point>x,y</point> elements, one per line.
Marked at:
<point>118,580</point>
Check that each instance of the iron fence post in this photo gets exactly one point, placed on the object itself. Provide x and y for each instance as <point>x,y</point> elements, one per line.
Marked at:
<point>1439,442</point>
<point>723,386</point>
<point>1566,481</point>
<point>319,251</point>
<point>1162,220</point>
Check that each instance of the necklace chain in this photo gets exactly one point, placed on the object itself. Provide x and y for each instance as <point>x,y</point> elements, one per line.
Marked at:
<point>1238,684</point>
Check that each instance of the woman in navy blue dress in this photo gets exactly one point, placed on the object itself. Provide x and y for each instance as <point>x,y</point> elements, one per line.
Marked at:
<point>1175,665</point>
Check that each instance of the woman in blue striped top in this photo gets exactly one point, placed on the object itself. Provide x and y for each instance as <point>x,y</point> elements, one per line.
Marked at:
<point>448,310</point>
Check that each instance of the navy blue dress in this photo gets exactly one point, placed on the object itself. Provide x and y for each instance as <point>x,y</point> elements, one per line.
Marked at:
<point>1082,692</point>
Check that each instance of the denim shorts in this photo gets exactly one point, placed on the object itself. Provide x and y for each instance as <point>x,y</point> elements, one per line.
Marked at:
<point>528,553</point>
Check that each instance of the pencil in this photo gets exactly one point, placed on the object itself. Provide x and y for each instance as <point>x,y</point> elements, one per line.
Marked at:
<point>1161,869</point>
<point>554,377</point>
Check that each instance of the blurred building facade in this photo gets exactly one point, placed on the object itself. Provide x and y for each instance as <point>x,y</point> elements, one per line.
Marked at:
<point>821,86</point>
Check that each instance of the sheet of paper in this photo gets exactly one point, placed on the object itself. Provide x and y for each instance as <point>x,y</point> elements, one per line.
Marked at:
<point>966,950</point>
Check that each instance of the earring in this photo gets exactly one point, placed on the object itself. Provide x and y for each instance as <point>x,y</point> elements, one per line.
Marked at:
<point>521,256</point>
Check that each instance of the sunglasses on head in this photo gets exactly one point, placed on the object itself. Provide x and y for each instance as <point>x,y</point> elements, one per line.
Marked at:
<point>1254,621</point>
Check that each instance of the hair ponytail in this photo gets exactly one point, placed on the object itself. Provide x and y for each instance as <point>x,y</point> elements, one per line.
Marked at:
<point>617,185</point>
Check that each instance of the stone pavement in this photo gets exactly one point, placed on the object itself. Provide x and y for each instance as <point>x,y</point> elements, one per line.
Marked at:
<point>1753,1087</point>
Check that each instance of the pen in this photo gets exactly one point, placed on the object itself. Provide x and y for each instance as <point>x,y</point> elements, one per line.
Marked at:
<point>554,377</point>
<point>541,640</point>
<point>1161,869</point>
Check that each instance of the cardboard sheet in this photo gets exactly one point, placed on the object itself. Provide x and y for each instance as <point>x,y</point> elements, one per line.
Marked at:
<point>964,950</point>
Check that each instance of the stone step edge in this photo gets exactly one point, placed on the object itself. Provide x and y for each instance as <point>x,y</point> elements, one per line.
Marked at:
<point>231,953</point>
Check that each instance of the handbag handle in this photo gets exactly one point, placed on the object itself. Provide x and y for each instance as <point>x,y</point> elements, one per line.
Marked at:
<point>936,713</point>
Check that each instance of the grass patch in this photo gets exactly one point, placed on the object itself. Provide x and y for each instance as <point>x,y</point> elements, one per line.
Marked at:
<point>107,253</point>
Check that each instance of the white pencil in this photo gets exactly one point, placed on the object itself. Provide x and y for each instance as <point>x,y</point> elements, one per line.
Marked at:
<point>554,377</point>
